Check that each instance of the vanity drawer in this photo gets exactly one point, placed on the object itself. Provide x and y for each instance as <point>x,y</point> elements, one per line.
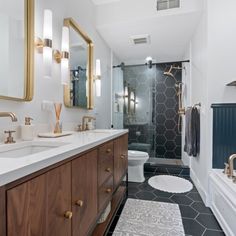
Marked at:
<point>105,193</point>
<point>105,152</point>
<point>105,170</point>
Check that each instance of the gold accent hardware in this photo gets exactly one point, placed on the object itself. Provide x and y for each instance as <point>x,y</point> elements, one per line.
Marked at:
<point>28,53</point>
<point>231,165</point>
<point>108,169</point>
<point>108,150</point>
<point>84,125</point>
<point>9,114</point>
<point>68,215</point>
<point>108,190</point>
<point>226,169</point>
<point>39,45</point>
<point>57,56</point>
<point>71,23</point>
<point>28,120</point>
<point>10,139</point>
<point>79,203</point>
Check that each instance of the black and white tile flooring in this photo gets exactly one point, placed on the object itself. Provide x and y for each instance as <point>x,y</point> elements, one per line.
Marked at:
<point>198,220</point>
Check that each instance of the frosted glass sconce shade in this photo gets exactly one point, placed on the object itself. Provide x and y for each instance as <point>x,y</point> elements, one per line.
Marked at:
<point>98,84</point>
<point>65,56</point>
<point>98,87</point>
<point>47,43</point>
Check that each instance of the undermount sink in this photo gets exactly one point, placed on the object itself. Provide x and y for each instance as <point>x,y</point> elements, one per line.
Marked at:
<point>24,149</point>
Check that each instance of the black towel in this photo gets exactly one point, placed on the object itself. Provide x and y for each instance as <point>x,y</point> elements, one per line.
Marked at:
<point>195,125</point>
<point>188,131</point>
<point>192,132</point>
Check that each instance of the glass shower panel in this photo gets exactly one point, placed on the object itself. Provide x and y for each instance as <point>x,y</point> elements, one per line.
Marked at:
<point>140,108</point>
<point>118,98</point>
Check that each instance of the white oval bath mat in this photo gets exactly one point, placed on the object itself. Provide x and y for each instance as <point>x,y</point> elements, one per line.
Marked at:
<point>171,184</point>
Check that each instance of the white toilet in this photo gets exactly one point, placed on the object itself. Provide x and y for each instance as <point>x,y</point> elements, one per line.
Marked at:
<point>136,160</point>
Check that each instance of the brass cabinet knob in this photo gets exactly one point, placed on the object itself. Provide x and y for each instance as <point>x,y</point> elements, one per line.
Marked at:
<point>108,169</point>
<point>122,156</point>
<point>108,150</point>
<point>108,190</point>
<point>68,214</point>
<point>79,203</point>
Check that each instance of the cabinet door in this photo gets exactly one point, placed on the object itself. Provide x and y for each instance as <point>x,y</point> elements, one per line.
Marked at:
<point>26,215</point>
<point>59,201</point>
<point>84,193</point>
<point>37,207</point>
<point>120,158</point>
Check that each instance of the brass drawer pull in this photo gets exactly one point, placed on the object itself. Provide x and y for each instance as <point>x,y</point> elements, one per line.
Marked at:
<point>108,150</point>
<point>68,215</point>
<point>122,156</point>
<point>108,190</point>
<point>79,203</point>
<point>108,169</point>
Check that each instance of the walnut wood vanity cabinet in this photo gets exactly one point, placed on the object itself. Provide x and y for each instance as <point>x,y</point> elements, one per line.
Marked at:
<point>66,199</point>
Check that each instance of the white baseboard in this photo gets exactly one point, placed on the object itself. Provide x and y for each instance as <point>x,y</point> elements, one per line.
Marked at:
<point>199,187</point>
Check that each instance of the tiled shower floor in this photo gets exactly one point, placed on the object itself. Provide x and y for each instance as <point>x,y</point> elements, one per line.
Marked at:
<point>198,220</point>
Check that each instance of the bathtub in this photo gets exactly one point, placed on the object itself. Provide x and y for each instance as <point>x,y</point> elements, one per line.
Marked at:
<point>223,200</point>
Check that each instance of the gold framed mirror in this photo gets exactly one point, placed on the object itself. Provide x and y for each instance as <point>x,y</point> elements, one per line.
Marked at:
<point>17,50</point>
<point>79,92</point>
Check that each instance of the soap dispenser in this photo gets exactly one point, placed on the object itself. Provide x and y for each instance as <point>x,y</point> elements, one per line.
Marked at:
<point>27,130</point>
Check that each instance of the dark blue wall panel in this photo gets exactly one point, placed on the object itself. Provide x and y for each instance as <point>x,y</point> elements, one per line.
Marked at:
<point>224,133</point>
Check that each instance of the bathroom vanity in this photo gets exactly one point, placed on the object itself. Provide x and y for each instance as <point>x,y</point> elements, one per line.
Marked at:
<point>64,190</point>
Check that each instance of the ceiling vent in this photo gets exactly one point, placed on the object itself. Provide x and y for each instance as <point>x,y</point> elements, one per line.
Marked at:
<point>140,39</point>
<point>167,4</point>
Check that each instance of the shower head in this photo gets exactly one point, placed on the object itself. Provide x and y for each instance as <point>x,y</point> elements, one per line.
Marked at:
<point>169,74</point>
<point>172,67</point>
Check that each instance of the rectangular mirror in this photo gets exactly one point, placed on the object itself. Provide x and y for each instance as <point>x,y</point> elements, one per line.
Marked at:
<point>16,49</point>
<point>79,92</point>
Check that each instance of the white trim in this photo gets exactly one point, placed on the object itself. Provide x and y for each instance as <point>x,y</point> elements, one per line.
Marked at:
<point>199,187</point>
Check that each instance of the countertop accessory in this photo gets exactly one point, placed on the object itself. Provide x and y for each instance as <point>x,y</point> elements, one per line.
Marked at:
<point>57,129</point>
<point>54,135</point>
<point>9,139</point>
<point>27,130</point>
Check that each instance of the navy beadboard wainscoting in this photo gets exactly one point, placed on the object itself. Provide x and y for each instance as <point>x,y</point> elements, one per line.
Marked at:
<point>224,133</point>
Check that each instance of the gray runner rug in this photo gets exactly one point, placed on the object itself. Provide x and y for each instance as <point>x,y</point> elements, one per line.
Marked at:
<point>149,218</point>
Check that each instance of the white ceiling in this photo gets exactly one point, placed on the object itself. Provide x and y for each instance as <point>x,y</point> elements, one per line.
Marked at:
<point>98,2</point>
<point>170,31</point>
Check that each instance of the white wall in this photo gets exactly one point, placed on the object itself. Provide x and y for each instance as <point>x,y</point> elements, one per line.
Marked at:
<point>83,12</point>
<point>212,51</point>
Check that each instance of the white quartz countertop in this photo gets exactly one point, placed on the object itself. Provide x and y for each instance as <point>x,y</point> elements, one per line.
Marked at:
<point>14,168</point>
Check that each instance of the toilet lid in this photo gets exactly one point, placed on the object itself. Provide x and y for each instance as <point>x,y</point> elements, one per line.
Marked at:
<point>132,153</point>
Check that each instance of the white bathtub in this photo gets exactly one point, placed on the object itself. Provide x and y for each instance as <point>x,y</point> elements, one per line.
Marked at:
<point>223,200</point>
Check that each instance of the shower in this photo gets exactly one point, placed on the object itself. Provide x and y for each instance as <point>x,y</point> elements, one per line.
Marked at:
<point>179,88</point>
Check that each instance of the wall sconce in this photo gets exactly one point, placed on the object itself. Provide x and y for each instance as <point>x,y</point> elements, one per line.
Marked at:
<point>44,45</point>
<point>98,84</point>
<point>64,56</point>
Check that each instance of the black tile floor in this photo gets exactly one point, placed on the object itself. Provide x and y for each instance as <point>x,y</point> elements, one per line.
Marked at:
<point>198,220</point>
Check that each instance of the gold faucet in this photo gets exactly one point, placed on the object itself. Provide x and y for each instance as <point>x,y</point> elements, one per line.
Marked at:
<point>231,166</point>
<point>84,125</point>
<point>9,114</point>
